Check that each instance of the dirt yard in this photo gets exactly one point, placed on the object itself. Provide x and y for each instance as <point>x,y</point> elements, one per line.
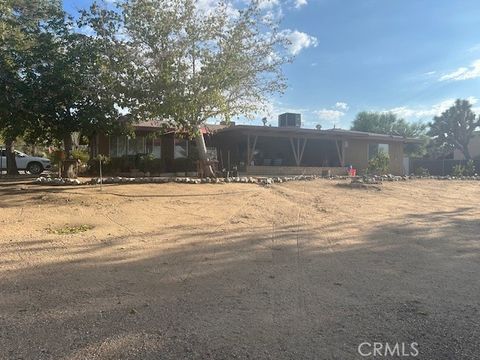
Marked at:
<point>302,270</point>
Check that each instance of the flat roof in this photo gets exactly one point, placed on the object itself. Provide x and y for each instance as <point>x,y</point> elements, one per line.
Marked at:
<point>312,133</point>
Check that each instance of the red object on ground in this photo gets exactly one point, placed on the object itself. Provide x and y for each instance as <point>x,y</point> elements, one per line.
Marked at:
<point>352,172</point>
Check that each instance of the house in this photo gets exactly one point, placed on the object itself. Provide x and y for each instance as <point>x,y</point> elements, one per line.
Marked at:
<point>259,150</point>
<point>169,151</point>
<point>265,150</point>
<point>473,148</point>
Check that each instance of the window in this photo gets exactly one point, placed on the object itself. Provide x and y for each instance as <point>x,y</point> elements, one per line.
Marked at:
<point>4,153</point>
<point>212,153</point>
<point>118,146</point>
<point>374,149</point>
<point>154,147</point>
<point>113,146</point>
<point>181,148</point>
<point>121,146</point>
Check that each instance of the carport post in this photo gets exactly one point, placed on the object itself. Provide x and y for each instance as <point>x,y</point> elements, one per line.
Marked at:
<point>1,160</point>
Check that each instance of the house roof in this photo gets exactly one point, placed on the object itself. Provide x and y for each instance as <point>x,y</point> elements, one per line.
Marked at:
<point>312,133</point>
<point>153,125</point>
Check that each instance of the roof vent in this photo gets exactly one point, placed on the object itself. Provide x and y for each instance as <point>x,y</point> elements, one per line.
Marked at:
<point>290,120</point>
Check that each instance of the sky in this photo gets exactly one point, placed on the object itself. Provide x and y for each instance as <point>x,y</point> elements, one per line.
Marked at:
<point>411,57</point>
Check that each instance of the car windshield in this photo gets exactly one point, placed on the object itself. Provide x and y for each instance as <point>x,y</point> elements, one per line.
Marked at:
<point>19,153</point>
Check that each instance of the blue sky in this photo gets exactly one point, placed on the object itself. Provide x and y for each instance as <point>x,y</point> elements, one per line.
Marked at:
<point>412,57</point>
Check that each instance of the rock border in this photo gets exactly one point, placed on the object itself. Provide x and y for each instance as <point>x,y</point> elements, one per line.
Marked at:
<point>260,180</point>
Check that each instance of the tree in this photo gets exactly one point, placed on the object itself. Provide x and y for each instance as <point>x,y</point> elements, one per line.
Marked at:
<point>390,124</point>
<point>21,24</point>
<point>79,78</point>
<point>196,64</point>
<point>454,128</point>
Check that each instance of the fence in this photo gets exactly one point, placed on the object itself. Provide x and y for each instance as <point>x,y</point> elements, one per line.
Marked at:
<point>439,167</point>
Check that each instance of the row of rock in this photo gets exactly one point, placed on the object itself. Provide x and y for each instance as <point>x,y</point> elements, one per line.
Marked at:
<point>446,177</point>
<point>184,180</point>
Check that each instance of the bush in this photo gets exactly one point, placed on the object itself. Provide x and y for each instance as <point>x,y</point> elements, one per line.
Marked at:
<point>470,168</point>
<point>81,155</point>
<point>379,164</point>
<point>421,171</point>
<point>458,170</point>
<point>147,163</point>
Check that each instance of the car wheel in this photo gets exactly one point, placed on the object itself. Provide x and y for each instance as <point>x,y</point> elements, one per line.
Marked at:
<point>35,168</point>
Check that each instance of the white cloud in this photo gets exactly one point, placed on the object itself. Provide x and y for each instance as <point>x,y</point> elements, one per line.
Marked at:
<point>267,4</point>
<point>298,40</point>
<point>341,106</point>
<point>299,3</point>
<point>416,113</point>
<point>329,115</point>
<point>463,73</point>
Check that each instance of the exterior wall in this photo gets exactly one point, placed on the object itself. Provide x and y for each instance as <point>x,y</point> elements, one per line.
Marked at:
<point>356,154</point>
<point>294,170</point>
<point>473,147</point>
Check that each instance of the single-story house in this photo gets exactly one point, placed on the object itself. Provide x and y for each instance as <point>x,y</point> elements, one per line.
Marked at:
<point>294,150</point>
<point>258,150</point>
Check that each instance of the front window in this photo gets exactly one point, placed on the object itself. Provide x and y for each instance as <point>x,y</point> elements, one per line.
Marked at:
<point>154,147</point>
<point>181,148</point>
<point>374,149</point>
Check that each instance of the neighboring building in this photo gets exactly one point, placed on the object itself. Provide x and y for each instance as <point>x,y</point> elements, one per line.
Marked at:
<point>259,150</point>
<point>473,147</point>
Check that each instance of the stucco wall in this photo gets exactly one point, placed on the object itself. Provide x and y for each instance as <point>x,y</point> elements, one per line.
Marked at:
<point>356,154</point>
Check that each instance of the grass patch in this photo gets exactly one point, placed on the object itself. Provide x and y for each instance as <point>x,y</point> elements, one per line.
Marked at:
<point>69,230</point>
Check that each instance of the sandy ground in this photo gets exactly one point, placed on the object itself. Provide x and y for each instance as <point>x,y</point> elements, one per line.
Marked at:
<point>302,270</point>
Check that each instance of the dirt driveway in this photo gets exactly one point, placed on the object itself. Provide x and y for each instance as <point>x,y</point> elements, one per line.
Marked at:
<point>302,270</point>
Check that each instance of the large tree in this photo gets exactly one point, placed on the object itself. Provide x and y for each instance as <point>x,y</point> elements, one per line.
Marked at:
<point>22,23</point>
<point>196,63</point>
<point>454,128</point>
<point>79,77</point>
<point>390,124</point>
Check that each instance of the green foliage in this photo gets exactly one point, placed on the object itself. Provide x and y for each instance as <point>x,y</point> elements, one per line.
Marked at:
<point>421,171</point>
<point>391,124</point>
<point>147,163</point>
<point>70,230</point>
<point>379,164</point>
<point>458,170</point>
<point>470,168</point>
<point>213,64</point>
<point>81,155</point>
<point>454,128</point>
<point>464,170</point>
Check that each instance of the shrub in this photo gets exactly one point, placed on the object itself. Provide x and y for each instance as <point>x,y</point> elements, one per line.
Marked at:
<point>470,168</point>
<point>147,163</point>
<point>421,171</point>
<point>379,164</point>
<point>94,165</point>
<point>81,155</point>
<point>458,170</point>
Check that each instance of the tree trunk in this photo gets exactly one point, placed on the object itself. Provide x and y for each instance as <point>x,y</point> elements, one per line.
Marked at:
<point>466,152</point>
<point>69,165</point>
<point>11,159</point>
<point>204,167</point>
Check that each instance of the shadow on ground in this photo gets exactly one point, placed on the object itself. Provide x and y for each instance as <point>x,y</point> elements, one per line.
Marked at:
<point>291,292</point>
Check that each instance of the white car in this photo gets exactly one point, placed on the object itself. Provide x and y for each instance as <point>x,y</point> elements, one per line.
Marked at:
<point>33,164</point>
